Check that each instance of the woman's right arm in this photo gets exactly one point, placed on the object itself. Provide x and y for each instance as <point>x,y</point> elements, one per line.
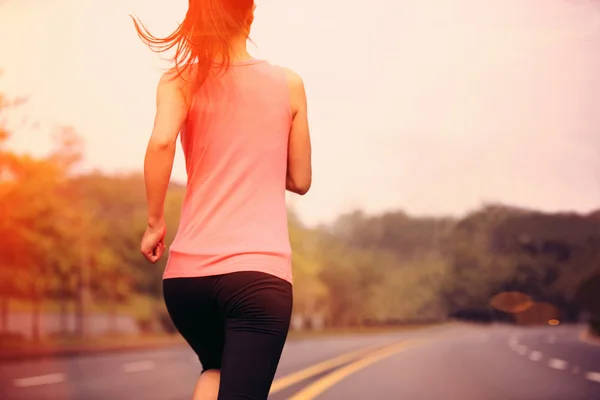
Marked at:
<point>299,169</point>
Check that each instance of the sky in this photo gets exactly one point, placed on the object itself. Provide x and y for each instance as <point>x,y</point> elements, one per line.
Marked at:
<point>427,106</point>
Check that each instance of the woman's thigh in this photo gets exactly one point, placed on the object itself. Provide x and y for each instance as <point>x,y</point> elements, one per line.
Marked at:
<point>192,306</point>
<point>257,309</point>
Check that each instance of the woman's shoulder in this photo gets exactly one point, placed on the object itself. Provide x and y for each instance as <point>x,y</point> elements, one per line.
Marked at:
<point>289,73</point>
<point>294,79</point>
<point>177,82</point>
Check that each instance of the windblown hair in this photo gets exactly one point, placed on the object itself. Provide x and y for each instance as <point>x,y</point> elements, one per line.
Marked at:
<point>204,35</point>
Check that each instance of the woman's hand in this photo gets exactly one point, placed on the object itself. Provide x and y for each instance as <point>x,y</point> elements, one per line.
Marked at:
<point>153,242</point>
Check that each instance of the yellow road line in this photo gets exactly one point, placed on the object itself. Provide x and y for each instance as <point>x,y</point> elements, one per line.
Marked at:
<point>307,373</point>
<point>329,380</point>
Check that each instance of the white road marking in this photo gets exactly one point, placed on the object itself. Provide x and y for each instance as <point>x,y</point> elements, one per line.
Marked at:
<point>593,376</point>
<point>39,380</point>
<point>137,366</point>
<point>535,356</point>
<point>557,363</point>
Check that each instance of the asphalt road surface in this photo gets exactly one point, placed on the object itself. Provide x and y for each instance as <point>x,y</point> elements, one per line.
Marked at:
<point>456,362</point>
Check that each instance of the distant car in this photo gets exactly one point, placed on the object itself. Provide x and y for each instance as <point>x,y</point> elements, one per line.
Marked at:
<point>477,315</point>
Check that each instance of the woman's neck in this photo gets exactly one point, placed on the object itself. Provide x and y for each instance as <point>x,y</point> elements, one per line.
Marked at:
<point>238,49</point>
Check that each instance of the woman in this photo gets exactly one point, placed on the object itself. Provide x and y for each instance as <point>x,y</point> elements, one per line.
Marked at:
<point>244,132</point>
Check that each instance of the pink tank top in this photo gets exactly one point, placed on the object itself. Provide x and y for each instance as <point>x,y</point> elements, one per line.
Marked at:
<point>235,141</point>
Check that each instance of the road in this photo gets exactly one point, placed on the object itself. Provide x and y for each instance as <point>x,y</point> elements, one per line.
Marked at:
<point>458,361</point>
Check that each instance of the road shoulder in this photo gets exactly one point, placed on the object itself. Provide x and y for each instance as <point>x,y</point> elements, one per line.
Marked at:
<point>114,345</point>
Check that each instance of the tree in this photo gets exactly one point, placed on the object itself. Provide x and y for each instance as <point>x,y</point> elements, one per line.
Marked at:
<point>13,244</point>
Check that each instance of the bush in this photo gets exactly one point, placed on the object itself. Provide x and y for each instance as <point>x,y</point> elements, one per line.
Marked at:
<point>145,324</point>
<point>166,323</point>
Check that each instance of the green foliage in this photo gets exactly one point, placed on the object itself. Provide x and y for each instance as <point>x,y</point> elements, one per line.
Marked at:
<point>394,267</point>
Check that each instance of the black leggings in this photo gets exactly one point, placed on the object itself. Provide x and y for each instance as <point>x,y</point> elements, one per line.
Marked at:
<point>237,323</point>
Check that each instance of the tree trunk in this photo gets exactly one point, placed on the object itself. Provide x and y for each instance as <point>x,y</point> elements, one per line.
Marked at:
<point>63,313</point>
<point>84,296</point>
<point>112,310</point>
<point>38,295</point>
<point>83,304</point>
<point>35,319</point>
<point>4,300</point>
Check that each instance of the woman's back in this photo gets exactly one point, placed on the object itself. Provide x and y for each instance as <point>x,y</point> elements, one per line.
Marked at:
<point>228,282</point>
<point>235,141</point>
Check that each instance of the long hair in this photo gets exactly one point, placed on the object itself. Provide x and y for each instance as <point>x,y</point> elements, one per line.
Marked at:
<point>205,34</point>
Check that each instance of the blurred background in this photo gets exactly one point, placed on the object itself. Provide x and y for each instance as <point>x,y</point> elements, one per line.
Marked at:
<point>451,237</point>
